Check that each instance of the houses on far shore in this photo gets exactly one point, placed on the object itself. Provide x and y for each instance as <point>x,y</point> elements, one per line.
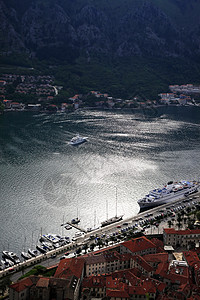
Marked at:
<point>172,98</point>
<point>44,92</point>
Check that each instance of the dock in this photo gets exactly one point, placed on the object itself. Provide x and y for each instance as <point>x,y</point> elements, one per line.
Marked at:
<point>75,226</point>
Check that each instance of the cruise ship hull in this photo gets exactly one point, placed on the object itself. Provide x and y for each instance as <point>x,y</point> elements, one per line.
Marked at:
<point>145,204</point>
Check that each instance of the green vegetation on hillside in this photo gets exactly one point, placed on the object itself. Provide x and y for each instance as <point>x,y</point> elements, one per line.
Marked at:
<point>122,78</point>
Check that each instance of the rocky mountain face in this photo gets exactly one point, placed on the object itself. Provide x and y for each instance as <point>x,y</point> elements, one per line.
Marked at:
<point>68,29</point>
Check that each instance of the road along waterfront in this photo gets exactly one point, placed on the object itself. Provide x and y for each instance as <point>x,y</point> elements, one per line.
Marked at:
<point>89,237</point>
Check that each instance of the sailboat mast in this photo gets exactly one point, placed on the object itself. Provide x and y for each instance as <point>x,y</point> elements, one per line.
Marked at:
<point>116,201</point>
<point>94,219</point>
<point>106,209</point>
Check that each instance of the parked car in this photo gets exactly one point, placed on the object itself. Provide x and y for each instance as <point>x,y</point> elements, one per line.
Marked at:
<point>63,257</point>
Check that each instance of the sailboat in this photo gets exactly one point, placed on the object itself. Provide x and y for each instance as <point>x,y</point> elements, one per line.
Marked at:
<point>77,219</point>
<point>113,219</point>
<point>24,254</point>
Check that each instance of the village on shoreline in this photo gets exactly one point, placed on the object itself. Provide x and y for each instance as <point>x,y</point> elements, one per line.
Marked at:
<point>43,96</point>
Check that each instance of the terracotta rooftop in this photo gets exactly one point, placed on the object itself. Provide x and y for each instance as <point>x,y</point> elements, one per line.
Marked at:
<point>94,281</point>
<point>158,257</point>
<point>139,244</point>
<point>43,282</point>
<point>181,232</point>
<point>22,284</point>
<point>191,257</point>
<point>107,256</point>
<point>142,262</point>
<point>69,267</point>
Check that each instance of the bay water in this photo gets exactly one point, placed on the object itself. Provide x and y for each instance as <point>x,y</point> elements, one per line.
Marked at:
<point>44,181</point>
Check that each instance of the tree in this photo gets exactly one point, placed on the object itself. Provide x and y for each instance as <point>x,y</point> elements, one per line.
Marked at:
<point>179,225</point>
<point>92,246</point>
<point>198,215</point>
<point>169,223</point>
<point>78,251</point>
<point>99,243</point>
<point>4,284</point>
<point>85,247</point>
<point>106,241</point>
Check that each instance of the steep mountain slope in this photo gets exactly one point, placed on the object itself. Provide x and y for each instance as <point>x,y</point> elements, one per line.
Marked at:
<point>68,29</point>
<point>124,47</point>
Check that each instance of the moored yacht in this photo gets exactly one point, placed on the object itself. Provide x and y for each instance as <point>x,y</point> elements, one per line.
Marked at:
<point>77,140</point>
<point>12,256</point>
<point>33,253</point>
<point>112,220</point>
<point>26,255</point>
<point>42,248</point>
<point>75,221</point>
<point>6,263</point>
<point>48,245</point>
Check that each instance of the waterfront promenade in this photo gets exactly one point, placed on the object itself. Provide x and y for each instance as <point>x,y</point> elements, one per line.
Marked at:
<point>109,230</point>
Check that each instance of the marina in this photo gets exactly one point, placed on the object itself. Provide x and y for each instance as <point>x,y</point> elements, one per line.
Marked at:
<point>111,230</point>
<point>44,178</point>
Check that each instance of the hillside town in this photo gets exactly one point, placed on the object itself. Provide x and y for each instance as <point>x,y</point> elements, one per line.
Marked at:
<point>44,94</point>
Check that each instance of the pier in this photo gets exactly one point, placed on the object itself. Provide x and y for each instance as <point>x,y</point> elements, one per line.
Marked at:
<point>75,226</point>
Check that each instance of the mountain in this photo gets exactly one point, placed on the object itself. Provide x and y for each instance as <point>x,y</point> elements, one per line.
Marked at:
<point>68,29</point>
<point>124,47</point>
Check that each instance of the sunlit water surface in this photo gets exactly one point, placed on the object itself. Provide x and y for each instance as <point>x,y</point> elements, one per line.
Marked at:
<point>44,180</point>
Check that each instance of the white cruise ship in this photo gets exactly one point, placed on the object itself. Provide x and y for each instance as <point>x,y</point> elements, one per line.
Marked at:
<point>170,192</point>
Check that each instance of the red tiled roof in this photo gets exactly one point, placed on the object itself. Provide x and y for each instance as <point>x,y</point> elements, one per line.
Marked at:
<point>191,257</point>
<point>158,257</point>
<point>148,282</point>
<point>181,232</point>
<point>117,294</point>
<point>164,271</point>
<point>158,243</point>
<point>107,256</point>
<point>139,244</point>
<point>137,290</point>
<point>43,282</point>
<point>142,262</point>
<point>94,281</point>
<point>162,268</point>
<point>22,284</point>
<point>70,266</point>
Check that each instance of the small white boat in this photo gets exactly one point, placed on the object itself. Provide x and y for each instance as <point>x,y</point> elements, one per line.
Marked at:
<point>26,255</point>
<point>42,248</point>
<point>68,227</point>
<point>11,256</point>
<point>33,253</point>
<point>6,263</point>
<point>77,140</point>
<point>75,221</point>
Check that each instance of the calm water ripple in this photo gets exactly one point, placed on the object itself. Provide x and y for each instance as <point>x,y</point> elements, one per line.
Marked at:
<point>43,179</point>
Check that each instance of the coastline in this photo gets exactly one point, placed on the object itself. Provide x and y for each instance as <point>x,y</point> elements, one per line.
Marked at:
<point>135,109</point>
